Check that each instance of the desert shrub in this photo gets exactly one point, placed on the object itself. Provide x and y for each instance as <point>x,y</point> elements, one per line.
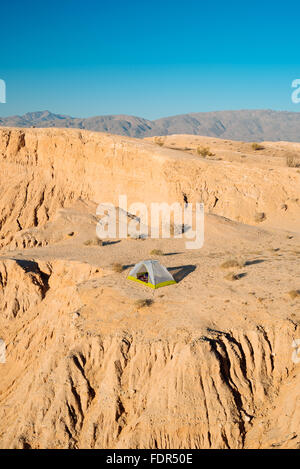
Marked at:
<point>294,294</point>
<point>259,217</point>
<point>204,152</point>
<point>159,141</point>
<point>230,263</point>
<point>292,161</point>
<point>232,276</point>
<point>135,237</point>
<point>118,268</point>
<point>156,252</point>
<point>257,146</point>
<point>93,242</point>
<point>146,302</point>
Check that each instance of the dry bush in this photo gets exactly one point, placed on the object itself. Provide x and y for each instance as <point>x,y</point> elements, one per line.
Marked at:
<point>159,141</point>
<point>292,161</point>
<point>137,237</point>
<point>230,263</point>
<point>93,242</point>
<point>143,303</point>
<point>118,268</point>
<point>294,294</point>
<point>259,217</point>
<point>257,146</point>
<point>156,252</point>
<point>232,276</point>
<point>204,152</point>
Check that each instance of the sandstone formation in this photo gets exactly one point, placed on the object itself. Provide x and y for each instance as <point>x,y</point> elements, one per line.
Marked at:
<point>209,363</point>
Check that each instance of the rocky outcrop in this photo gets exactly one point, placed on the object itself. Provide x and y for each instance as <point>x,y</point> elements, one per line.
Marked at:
<point>22,285</point>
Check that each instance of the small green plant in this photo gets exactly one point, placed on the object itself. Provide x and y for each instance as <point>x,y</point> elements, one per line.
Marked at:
<point>143,303</point>
<point>204,152</point>
<point>257,146</point>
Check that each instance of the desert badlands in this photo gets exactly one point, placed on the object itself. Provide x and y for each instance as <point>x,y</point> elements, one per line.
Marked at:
<point>96,361</point>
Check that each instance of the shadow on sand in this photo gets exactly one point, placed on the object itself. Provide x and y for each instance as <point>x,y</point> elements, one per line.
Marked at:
<point>108,243</point>
<point>255,261</point>
<point>172,253</point>
<point>180,272</point>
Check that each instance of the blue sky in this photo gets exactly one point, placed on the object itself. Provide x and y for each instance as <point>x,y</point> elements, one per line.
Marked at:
<point>148,58</point>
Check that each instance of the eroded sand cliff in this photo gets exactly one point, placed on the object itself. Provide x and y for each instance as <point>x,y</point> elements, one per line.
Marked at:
<point>209,362</point>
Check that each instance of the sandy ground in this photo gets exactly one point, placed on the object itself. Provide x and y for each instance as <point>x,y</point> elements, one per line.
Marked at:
<point>269,267</point>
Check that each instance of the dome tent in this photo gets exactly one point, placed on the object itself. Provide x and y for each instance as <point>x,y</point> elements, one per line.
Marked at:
<point>151,273</point>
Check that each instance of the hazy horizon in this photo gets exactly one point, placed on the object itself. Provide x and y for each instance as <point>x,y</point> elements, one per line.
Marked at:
<point>146,118</point>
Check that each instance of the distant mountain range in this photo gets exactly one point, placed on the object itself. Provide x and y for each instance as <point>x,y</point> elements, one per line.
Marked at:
<point>244,125</point>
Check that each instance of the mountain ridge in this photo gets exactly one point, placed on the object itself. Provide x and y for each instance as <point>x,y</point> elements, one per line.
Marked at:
<point>246,125</point>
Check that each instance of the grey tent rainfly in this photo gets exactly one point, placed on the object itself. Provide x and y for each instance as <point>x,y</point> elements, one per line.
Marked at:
<point>152,274</point>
